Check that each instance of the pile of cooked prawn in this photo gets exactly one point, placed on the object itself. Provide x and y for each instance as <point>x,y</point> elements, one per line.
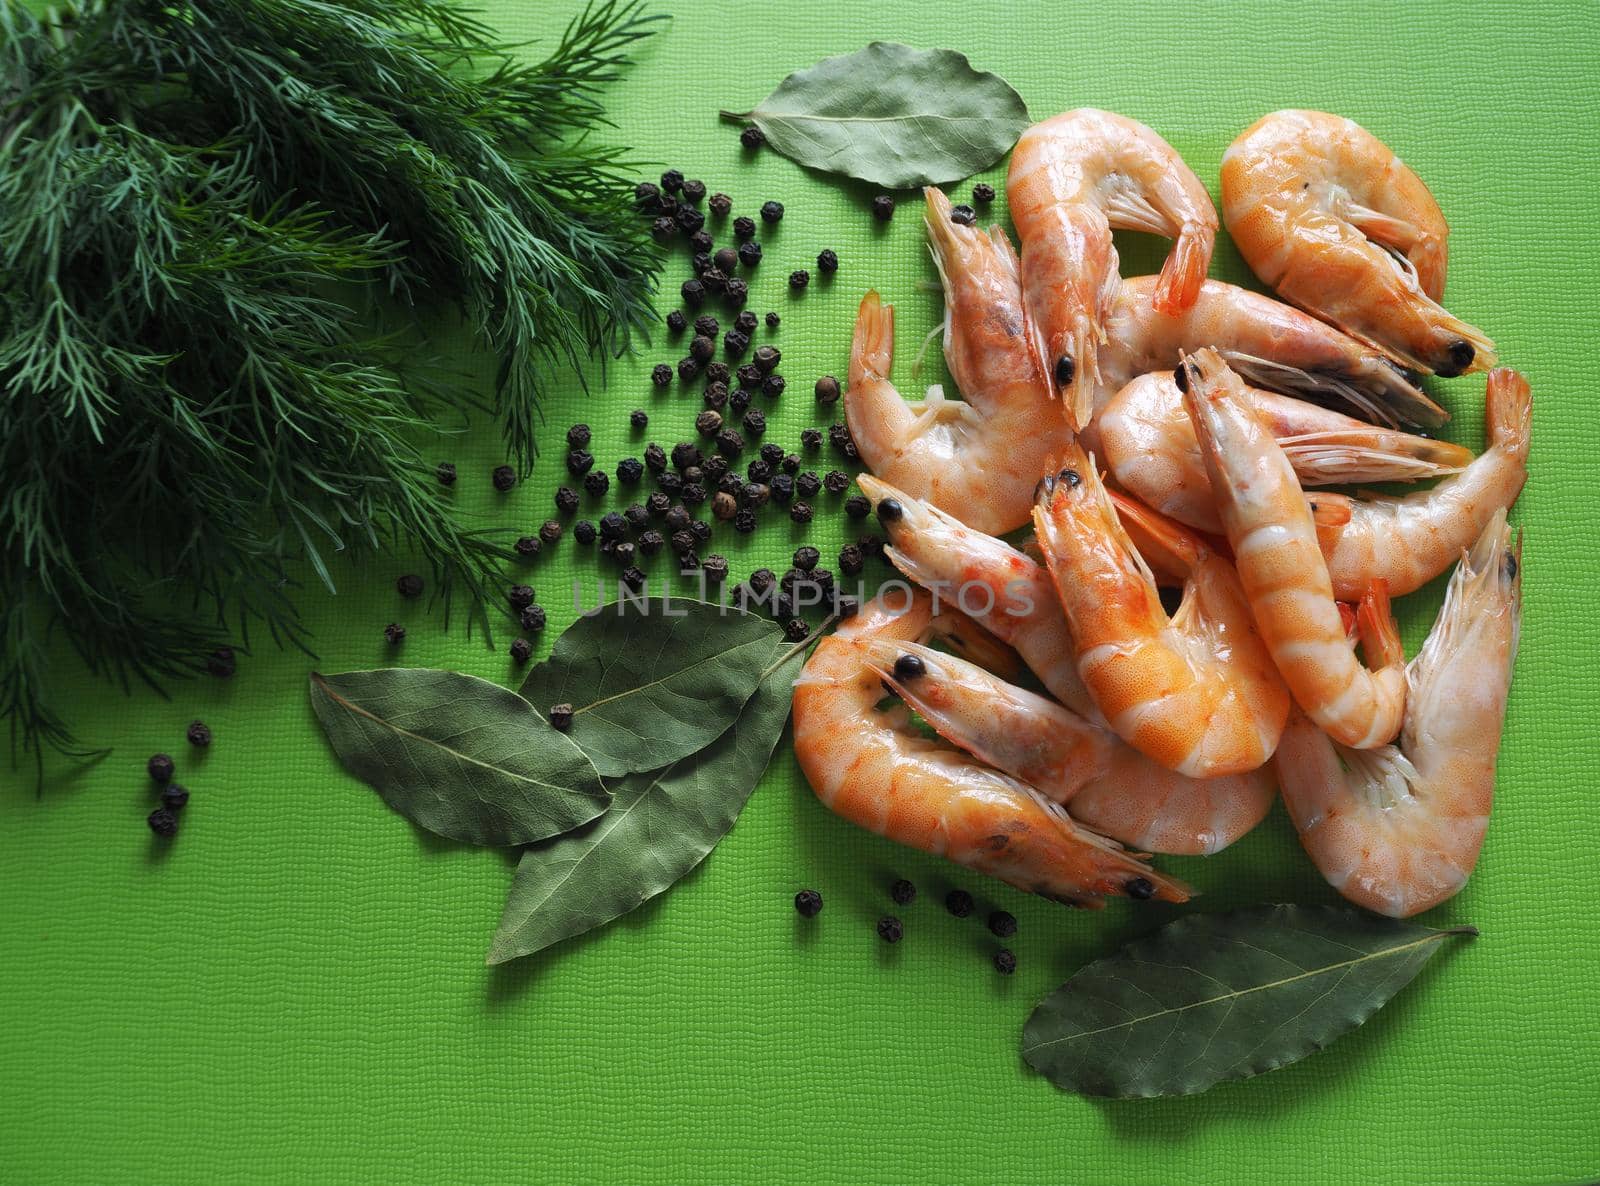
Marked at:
<point>1177,431</point>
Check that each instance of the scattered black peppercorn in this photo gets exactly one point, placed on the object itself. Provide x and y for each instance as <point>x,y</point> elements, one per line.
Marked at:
<point>749,253</point>
<point>811,438</point>
<point>639,418</point>
<point>688,561</point>
<point>694,293</point>
<point>161,768</point>
<point>655,458</point>
<point>718,372</point>
<point>596,482</point>
<point>579,462</point>
<point>677,519</point>
<point>701,242</point>
<point>694,189</point>
<point>549,531</point>
<point>735,343</point>
<point>566,499</point>
<point>715,396</point>
<point>583,532</point>
<point>767,358</point>
<point>701,531</point>
<point>532,618</point>
<point>721,204</point>
<point>689,219</point>
<point>682,541</point>
<point>745,322</point>
<point>409,586</point>
<point>963,215</point>
<point>657,503</point>
<point>1003,923</point>
<point>827,390</point>
<point>199,734</point>
<point>671,181</point>
<point>740,399</point>
<point>1005,961</point>
<point>782,486</point>
<point>714,278</point>
<point>737,292</point>
<point>636,517</point>
<point>676,321</point>
<point>661,374</point>
<point>685,454</point>
<point>445,471</point>
<point>629,471</point>
<point>693,493</point>
<point>724,506</point>
<point>839,437</point>
<point>714,467</point>
<point>163,822</point>
<point>578,436</point>
<point>670,482</point>
<point>771,211</point>
<point>744,522</point>
<point>504,478</point>
<point>983,193</point>
<point>808,484</point>
<point>730,443</point>
<point>519,596</point>
<point>744,228</point>
<point>799,278</point>
<point>806,557</point>
<point>688,369</point>
<point>613,525</point>
<point>903,892</point>
<point>527,546</point>
<point>808,902</point>
<point>758,471</point>
<point>851,561</point>
<point>796,630</point>
<point>646,195</point>
<point>790,463</point>
<point>561,717</point>
<point>708,423</point>
<point>801,512</point>
<point>521,650</point>
<point>836,481</point>
<point>749,375</point>
<point>716,568</point>
<point>632,575</point>
<point>664,228</point>
<point>726,259</point>
<point>909,667</point>
<point>858,506</point>
<point>890,929</point>
<point>958,902</point>
<point>883,207</point>
<point>752,137</point>
<point>772,320</point>
<point>651,542</point>
<point>762,579</point>
<point>1140,889</point>
<point>755,422</point>
<point>754,494</point>
<point>702,349</point>
<point>772,386</point>
<point>174,797</point>
<point>827,261</point>
<point>771,453</point>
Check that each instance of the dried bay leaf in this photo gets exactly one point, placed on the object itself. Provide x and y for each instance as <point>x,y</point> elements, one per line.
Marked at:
<point>1213,997</point>
<point>892,115</point>
<point>458,755</point>
<point>652,682</point>
<point>660,826</point>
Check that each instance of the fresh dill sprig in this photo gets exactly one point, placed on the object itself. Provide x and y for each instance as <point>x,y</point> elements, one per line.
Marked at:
<point>189,405</point>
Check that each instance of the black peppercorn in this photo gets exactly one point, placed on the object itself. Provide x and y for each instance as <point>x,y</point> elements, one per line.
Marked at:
<point>827,261</point>
<point>409,586</point>
<point>688,369</point>
<point>693,292</point>
<point>701,531</point>
<point>745,322</point>
<point>766,359</point>
<point>520,595</point>
<point>1005,961</point>
<point>521,650</point>
<point>720,204</point>
<point>754,494</point>
<point>685,454</point>
<point>773,386</point>
<point>724,506</point>
<point>670,482</point>
<point>677,519</point>
<point>851,561</point>
<point>839,435</point>
<point>701,349</point>
<point>578,436</point>
<point>749,375</point>
<point>772,320</point>
<point>871,545</point>
<point>755,422</point>
<point>613,525</point>
<point>718,372</point>
<point>750,253</point>
<point>806,558</point>
<point>714,467</point>
<point>561,717</point>
<point>682,541</point>
<point>701,243</point>
<point>758,471</point>
<point>633,576</point>
<point>808,484</point>
<point>636,517</point>
<point>655,458</point>
<point>739,400</point>
<point>963,215</point>
<point>857,506</point>
<point>583,531</point>
<point>883,207</point>
<point>799,278</point>
<point>163,822</point>
<point>566,499</point>
<point>726,259</point>
<point>646,195</point>
<point>811,438</point>
<point>445,471</point>
<point>688,561</point>
<point>657,503</point>
<point>836,481</point>
<point>549,531</point>
<point>532,618</point>
<point>716,396</point>
<point>639,418</point>
<point>752,137</point>
<point>706,325</point>
<point>161,768</point>
<point>629,471</point>
<point>693,493</point>
<point>504,478</point>
<point>827,390</point>
<point>808,902</point>
<point>199,734</point>
<point>771,453</point>
<point>983,193</point>
<point>744,522</point>
<point>714,278</point>
<point>782,486</point>
<point>596,482</point>
<point>174,797</point>
<point>801,512</point>
<point>730,443</point>
<point>1003,923</point>
<point>694,189</point>
<point>744,228</point>
<point>661,374</point>
<point>890,929</point>
<point>1140,889</point>
<point>735,343</point>
<point>671,181</point>
<point>651,542</point>
<point>527,546</point>
<point>958,902</point>
<point>715,568</point>
<point>796,630</point>
<point>676,321</point>
<point>689,219</point>
<point>579,462</point>
<point>736,292</point>
<point>664,228</point>
<point>771,211</point>
<point>708,423</point>
<point>903,892</point>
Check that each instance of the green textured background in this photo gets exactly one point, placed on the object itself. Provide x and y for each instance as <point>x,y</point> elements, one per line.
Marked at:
<point>295,992</point>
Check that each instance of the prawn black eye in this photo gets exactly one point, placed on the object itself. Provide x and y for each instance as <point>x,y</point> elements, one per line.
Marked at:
<point>1140,888</point>
<point>909,667</point>
<point>1071,477</point>
<point>889,510</point>
<point>1064,370</point>
<point>1461,356</point>
<point>1180,376</point>
<point>1511,566</point>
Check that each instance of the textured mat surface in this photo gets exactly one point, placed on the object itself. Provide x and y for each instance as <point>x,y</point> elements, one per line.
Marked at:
<point>295,992</point>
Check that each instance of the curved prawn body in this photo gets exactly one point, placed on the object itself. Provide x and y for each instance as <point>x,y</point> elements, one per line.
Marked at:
<point>878,771</point>
<point>1105,783</point>
<point>1195,692</point>
<point>1325,213</point>
<point>1072,179</point>
<point>1270,344</point>
<point>1280,565</point>
<point>1150,449</point>
<point>1407,541</point>
<point>981,458</point>
<point>1004,590</point>
<point>1398,829</point>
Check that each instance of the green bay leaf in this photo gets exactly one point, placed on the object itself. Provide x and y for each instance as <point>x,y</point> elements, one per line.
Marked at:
<point>651,682</point>
<point>458,755</point>
<point>1213,997</point>
<point>660,826</point>
<point>892,115</point>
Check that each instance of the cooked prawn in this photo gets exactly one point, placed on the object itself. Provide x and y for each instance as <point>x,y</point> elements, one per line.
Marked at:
<point>1271,344</point>
<point>979,459</point>
<point>1195,692</point>
<point>1280,564</point>
<point>1399,829</point>
<point>1407,541</point>
<point>877,770</point>
<point>1103,782</point>
<point>1150,449</point>
<point>1072,179</point>
<point>1325,213</point>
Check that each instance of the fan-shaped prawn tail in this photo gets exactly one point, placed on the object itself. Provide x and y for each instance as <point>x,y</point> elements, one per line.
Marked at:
<point>1185,269</point>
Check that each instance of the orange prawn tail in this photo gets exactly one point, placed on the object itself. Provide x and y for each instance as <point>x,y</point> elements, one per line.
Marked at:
<point>872,348</point>
<point>1379,632</point>
<point>1178,286</point>
<point>1508,409</point>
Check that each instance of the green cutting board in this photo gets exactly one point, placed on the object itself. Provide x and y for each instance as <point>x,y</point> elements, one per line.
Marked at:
<point>295,990</point>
